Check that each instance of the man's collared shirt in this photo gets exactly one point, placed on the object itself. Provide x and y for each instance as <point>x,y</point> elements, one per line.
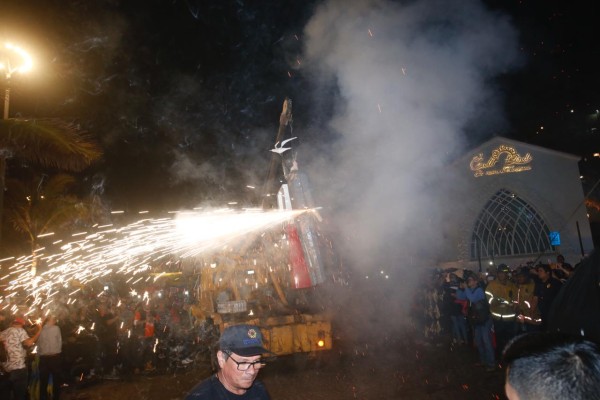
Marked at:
<point>13,339</point>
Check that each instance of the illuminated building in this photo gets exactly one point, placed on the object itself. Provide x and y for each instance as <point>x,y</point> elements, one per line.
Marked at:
<point>515,203</point>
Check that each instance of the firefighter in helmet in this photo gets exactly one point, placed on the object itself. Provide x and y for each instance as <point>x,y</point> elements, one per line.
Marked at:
<point>501,294</point>
<point>528,314</point>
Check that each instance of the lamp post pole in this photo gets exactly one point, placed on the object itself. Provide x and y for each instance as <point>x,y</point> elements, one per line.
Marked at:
<point>24,64</point>
<point>6,99</point>
<point>9,52</point>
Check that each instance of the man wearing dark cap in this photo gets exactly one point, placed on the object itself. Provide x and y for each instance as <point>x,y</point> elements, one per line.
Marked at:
<point>546,290</point>
<point>16,339</point>
<point>240,358</point>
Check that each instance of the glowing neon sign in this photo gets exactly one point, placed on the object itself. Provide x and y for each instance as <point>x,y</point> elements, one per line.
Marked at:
<point>513,162</point>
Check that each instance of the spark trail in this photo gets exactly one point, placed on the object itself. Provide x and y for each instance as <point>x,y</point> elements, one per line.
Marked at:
<point>133,249</point>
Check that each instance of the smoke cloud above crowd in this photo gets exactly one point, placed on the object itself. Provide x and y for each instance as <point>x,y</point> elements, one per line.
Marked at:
<point>412,81</point>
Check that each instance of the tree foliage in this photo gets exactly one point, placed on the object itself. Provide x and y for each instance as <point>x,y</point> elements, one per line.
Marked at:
<point>46,204</point>
<point>50,142</point>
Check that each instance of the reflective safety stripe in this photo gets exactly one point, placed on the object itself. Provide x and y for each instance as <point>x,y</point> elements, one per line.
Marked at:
<point>500,299</point>
<point>503,316</point>
<point>536,320</point>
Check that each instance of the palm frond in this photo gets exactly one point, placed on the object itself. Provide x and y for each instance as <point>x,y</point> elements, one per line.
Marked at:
<point>38,206</point>
<point>51,142</point>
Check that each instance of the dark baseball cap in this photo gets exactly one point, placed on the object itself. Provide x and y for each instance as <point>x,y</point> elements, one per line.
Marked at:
<point>245,340</point>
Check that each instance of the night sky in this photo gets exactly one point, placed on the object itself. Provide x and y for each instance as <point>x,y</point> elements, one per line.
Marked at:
<point>557,87</point>
<point>185,96</point>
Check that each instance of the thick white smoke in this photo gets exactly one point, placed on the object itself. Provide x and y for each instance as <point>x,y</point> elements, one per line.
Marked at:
<point>410,78</point>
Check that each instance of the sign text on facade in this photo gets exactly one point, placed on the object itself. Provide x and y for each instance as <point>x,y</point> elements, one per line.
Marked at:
<point>511,162</point>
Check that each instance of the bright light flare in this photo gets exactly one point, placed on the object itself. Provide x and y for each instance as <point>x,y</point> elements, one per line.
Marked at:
<point>25,65</point>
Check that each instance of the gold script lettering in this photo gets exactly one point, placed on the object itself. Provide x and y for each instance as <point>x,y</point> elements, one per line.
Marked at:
<point>513,162</point>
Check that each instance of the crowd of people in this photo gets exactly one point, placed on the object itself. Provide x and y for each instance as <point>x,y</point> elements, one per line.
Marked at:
<point>99,336</point>
<point>488,309</point>
<point>119,335</point>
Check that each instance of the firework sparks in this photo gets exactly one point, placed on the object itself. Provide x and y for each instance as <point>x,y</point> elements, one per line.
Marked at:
<point>134,249</point>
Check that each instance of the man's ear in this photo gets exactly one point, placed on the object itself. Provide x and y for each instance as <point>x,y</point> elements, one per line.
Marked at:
<point>221,358</point>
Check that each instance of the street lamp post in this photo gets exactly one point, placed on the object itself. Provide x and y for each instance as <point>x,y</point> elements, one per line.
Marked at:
<point>12,59</point>
<point>6,98</point>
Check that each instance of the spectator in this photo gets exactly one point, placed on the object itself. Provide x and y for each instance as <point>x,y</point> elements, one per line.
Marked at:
<point>482,321</point>
<point>240,359</point>
<point>546,290</point>
<point>4,382</point>
<point>162,320</point>
<point>543,366</point>
<point>562,264</point>
<point>149,341</point>
<point>16,340</point>
<point>501,293</point>
<point>139,320</point>
<point>561,270</point>
<point>106,328</point>
<point>457,311</point>
<point>528,317</point>
<point>4,321</point>
<point>50,349</point>
<point>433,299</point>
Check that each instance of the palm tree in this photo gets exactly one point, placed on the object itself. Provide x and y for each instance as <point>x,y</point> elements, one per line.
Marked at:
<point>49,142</point>
<point>46,204</point>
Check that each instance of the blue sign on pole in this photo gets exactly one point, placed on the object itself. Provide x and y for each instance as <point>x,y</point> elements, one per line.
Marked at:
<point>555,238</point>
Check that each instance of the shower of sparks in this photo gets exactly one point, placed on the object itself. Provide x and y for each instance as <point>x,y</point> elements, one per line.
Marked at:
<point>132,250</point>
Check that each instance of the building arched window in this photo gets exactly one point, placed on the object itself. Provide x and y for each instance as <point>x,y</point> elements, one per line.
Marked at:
<point>508,226</point>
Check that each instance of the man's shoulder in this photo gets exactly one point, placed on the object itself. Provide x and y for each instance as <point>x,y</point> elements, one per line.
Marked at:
<point>478,289</point>
<point>492,285</point>
<point>208,390</point>
<point>493,282</point>
<point>203,390</point>
<point>259,389</point>
<point>52,330</point>
<point>12,333</point>
<point>555,282</point>
<point>11,330</point>
<point>498,284</point>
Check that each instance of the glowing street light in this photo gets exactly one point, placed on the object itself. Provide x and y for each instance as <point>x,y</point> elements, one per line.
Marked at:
<point>13,59</point>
